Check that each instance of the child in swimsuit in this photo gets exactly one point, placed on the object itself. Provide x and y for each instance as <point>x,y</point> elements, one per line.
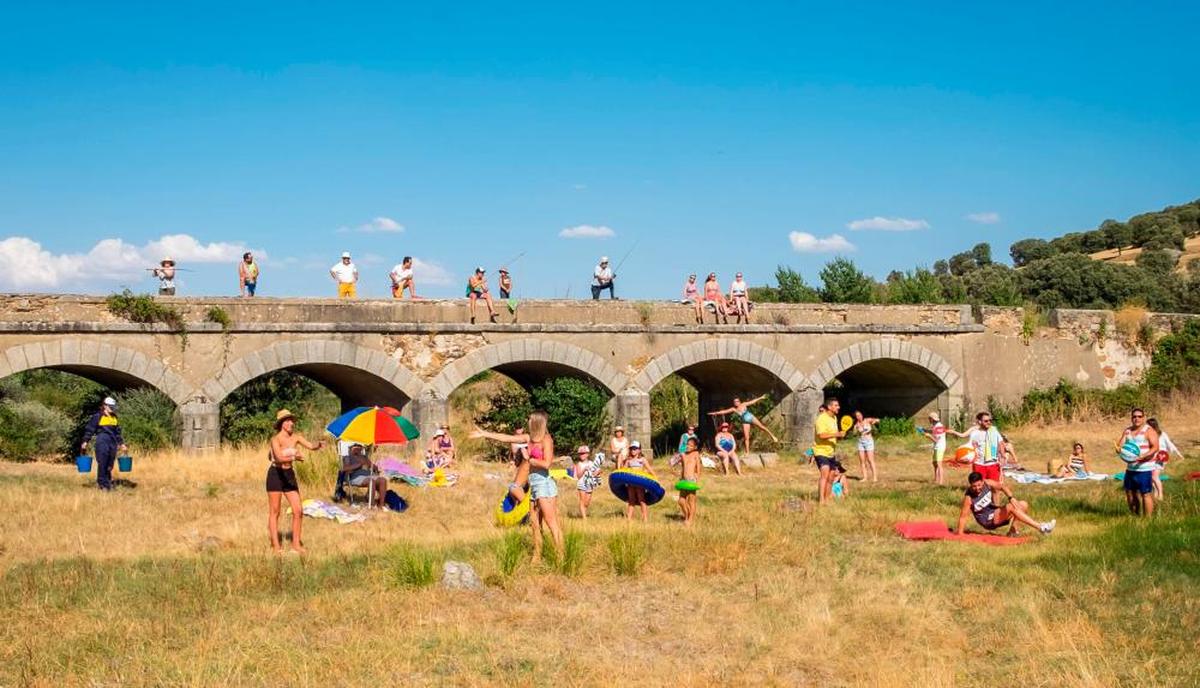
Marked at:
<point>637,495</point>
<point>689,472</point>
<point>839,486</point>
<point>587,470</point>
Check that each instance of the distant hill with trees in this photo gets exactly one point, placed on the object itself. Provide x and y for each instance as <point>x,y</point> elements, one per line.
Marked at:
<point>1162,274</point>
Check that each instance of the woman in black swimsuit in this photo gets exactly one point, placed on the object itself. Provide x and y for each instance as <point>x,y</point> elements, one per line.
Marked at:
<point>281,478</point>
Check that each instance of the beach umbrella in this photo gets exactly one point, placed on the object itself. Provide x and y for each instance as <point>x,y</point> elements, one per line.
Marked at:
<point>372,425</point>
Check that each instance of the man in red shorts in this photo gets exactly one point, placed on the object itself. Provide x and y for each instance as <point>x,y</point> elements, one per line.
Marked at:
<point>986,440</point>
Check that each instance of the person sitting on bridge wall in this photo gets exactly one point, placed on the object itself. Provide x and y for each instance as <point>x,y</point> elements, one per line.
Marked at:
<point>477,288</point>
<point>691,295</point>
<point>402,278</point>
<point>739,299</point>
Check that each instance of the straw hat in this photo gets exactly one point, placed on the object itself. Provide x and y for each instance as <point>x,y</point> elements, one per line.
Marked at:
<point>167,260</point>
<point>281,416</point>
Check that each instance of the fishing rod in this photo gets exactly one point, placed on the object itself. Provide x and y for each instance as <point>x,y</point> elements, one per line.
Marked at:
<point>509,263</point>
<point>176,269</point>
<point>626,257</point>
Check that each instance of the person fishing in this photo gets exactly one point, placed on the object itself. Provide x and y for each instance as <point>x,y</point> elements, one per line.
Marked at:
<point>603,278</point>
<point>477,288</point>
<point>165,272</point>
<point>505,284</point>
<point>106,430</point>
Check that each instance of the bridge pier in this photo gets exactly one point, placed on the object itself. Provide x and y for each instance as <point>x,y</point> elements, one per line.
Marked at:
<point>633,412</point>
<point>805,403</point>
<point>201,425</point>
<point>428,413</point>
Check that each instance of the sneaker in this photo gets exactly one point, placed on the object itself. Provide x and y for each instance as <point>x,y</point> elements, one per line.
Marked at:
<point>1049,526</point>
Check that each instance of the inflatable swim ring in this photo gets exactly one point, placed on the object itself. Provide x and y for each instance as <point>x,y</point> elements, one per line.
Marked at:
<point>509,513</point>
<point>726,444</point>
<point>621,479</point>
<point>559,473</point>
<point>687,485</point>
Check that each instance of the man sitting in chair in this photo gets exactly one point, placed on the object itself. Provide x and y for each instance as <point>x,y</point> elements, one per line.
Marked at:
<point>358,471</point>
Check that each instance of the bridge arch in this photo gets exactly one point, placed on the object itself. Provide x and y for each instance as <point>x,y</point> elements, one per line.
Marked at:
<point>891,377</point>
<point>357,375</point>
<point>529,362</point>
<point>115,367</point>
<point>719,369</point>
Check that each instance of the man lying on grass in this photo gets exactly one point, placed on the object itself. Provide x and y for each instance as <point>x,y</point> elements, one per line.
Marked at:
<point>980,500</point>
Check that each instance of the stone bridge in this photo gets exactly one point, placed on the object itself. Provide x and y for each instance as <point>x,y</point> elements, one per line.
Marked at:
<point>885,360</point>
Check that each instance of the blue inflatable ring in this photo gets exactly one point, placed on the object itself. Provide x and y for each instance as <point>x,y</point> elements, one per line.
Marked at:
<point>509,513</point>
<point>620,480</point>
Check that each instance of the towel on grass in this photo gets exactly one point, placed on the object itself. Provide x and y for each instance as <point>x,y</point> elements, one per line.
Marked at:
<point>1027,477</point>
<point>937,530</point>
<point>315,508</point>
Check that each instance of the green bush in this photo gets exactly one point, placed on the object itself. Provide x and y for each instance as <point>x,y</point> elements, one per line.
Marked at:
<point>220,316</point>
<point>248,413</point>
<point>1176,360</point>
<point>673,404</point>
<point>149,419</point>
<point>31,430</point>
<point>895,427</point>
<point>413,567</point>
<point>511,550</point>
<point>576,409</point>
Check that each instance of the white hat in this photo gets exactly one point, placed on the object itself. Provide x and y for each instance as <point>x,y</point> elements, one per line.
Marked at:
<point>439,433</point>
<point>478,269</point>
<point>603,259</point>
<point>583,449</point>
<point>110,402</point>
<point>345,254</point>
<point>635,445</point>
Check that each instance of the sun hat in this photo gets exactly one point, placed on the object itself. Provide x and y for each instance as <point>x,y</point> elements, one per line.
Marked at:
<point>166,260</point>
<point>619,429</point>
<point>504,270</point>
<point>439,432</point>
<point>603,260</point>
<point>345,254</point>
<point>281,416</point>
<point>933,415</point>
<point>110,402</point>
<point>583,449</point>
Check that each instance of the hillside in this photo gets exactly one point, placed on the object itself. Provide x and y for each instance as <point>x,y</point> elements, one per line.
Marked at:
<point>1128,256</point>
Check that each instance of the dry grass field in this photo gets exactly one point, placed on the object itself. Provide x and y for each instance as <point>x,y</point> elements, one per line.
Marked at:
<point>171,582</point>
<point>1191,250</point>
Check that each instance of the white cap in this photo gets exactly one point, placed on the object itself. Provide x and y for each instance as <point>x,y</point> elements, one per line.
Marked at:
<point>603,259</point>
<point>439,433</point>
<point>345,254</point>
<point>479,269</point>
<point>635,445</point>
<point>583,449</point>
<point>109,401</point>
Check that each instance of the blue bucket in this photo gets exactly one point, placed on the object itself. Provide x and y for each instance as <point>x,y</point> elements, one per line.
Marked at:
<point>125,463</point>
<point>83,463</point>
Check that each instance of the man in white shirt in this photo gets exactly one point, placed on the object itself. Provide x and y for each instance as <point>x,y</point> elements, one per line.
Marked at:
<point>345,274</point>
<point>402,278</point>
<point>603,279</point>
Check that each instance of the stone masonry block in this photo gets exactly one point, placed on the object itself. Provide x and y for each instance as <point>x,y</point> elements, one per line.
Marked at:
<point>711,349</point>
<point>70,351</point>
<point>107,354</point>
<point>16,359</point>
<point>255,366</point>
<point>123,359</point>
<point>52,353</point>
<point>137,366</point>
<point>314,351</point>
<point>346,353</point>
<point>362,356</point>
<point>33,355</point>
<point>270,358</point>
<point>876,350</point>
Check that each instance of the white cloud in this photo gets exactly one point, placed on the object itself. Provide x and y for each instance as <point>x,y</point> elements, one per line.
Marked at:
<point>987,218</point>
<point>25,264</point>
<point>385,225</point>
<point>425,272</point>
<point>579,187</point>
<point>587,232</point>
<point>888,224</point>
<point>803,242</point>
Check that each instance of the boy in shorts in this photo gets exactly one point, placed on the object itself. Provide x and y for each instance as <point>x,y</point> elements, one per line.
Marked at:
<point>689,472</point>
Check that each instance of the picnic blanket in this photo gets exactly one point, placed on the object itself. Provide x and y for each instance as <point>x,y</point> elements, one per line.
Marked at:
<point>937,530</point>
<point>1028,477</point>
<point>315,508</point>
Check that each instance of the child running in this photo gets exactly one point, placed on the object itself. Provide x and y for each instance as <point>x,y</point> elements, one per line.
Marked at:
<point>587,473</point>
<point>544,492</point>
<point>637,495</point>
<point>689,472</point>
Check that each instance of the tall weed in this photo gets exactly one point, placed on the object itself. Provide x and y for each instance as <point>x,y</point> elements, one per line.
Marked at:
<point>627,550</point>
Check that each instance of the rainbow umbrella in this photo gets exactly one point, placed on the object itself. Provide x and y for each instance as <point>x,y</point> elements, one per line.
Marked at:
<point>372,425</point>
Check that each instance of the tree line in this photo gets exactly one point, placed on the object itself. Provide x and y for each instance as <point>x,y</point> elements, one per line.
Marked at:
<point>1052,274</point>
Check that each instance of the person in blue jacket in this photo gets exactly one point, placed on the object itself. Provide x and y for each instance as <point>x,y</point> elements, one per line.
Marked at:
<point>106,430</point>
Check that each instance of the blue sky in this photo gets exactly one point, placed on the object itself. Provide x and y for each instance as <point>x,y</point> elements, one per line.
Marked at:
<point>713,136</point>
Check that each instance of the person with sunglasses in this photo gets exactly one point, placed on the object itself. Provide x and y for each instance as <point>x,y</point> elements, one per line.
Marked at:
<point>988,446</point>
<point>739,299</point>
<point>1138,448</point>
<point>691,295</point>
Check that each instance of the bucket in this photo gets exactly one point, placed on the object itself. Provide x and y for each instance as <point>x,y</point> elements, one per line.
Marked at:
<point>83,463</point>
<point>125,463</point>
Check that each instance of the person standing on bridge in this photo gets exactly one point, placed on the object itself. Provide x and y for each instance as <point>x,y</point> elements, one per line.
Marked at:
<point>603,278</point>
<point>505,284</point>
<point>247,275</point>
<point>106,430</point>
<point>165,272</point>
<point>345,274</point>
